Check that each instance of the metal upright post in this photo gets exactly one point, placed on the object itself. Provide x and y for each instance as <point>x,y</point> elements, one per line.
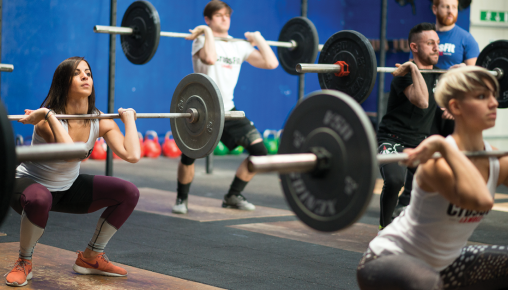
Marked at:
<point>381,101</point>
<point>111,83</point>
<point>301,77</point>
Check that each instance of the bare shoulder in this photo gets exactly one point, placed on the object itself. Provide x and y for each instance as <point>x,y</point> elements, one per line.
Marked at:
<point>503,170</point>
<point>434,174</point>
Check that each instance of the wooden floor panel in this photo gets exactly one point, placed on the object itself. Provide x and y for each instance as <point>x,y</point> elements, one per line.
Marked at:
<point>53,270</point>
<point>355,238</point>
<point>203,209</point>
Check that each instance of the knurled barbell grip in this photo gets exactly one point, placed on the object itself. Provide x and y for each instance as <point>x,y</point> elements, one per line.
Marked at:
<point>306,162</point>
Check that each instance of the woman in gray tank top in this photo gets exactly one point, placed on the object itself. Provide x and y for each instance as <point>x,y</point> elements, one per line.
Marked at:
<point>425,247</point>
<point>57,185</point>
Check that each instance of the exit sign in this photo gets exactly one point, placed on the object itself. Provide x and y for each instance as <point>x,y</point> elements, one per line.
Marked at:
<point>494,16</point>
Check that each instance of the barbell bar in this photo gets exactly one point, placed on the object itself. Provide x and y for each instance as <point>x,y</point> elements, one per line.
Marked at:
<point>130,31</point>
<point>308,162</point>
<point>347,63</point>
<point>140,32</point>
<point>193,115</point>
<point>338,68</point>
<point>328,161</point>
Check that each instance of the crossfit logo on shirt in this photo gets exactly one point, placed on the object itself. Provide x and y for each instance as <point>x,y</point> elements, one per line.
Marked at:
<point>465,216</point>
<point>446,49</point>
<point>228,62</point>
<point>388,148</point>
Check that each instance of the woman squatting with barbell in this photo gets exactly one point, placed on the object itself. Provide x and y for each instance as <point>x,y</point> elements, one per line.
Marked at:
<point>425,247</point>
<point>42,187</point>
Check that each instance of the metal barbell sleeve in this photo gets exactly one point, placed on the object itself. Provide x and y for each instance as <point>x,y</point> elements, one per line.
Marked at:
<point>49,152</point>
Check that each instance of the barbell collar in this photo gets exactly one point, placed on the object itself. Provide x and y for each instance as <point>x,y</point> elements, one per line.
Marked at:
<point>227,116</point>
<point>6,67</point>
<point>51,152</point>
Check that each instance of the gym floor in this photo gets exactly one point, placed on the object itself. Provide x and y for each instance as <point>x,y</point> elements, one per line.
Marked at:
<point>210,247</point>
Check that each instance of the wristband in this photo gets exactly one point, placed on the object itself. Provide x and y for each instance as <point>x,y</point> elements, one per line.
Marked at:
<point>47,115</point>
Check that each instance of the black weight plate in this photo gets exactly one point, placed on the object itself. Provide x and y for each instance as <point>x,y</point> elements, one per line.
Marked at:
<point>334,121</point>
<point>353,48</point>
<point>198,91</point>
<point>304,33</point>
<point>140,46</point>
<point>495,55</point>
<point>7,163</point>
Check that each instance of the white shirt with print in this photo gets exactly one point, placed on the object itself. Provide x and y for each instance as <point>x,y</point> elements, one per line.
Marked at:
<point>225,71</point>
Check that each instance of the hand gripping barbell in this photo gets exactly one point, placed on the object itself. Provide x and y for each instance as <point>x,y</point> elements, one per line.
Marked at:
<point>140,32</point>
<point>328,160</point>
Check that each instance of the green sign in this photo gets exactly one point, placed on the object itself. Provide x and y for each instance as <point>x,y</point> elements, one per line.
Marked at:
<point>494,16</point>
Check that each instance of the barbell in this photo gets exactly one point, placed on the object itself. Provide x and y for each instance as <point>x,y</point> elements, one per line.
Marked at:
<point>140,32</point>
<point>347,63</point>
<point>328,160</point>
<point>197,115</point>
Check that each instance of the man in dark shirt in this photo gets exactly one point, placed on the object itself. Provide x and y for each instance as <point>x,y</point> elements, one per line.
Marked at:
<point>410,113</point>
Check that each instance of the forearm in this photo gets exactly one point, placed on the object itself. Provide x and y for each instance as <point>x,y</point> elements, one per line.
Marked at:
<point>267,53</point>
<point>208,54</point>
<point>131,141</point>
<point>419,94</point>
<point>471,191</point>
<point>60,135</point>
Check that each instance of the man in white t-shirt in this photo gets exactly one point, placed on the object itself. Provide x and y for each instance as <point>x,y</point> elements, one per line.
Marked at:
<point>221,60</point>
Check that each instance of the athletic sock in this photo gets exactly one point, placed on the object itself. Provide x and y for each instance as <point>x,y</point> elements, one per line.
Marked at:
<point>236,187</point>
<point>182,190</point>
<point>103,233</point>
<point>29,236</point>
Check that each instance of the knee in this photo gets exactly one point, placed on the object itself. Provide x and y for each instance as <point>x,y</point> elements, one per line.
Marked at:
<point>393,182</point>
<point>36,197</point>
<point>258,149</point>
<point>130,193</point>
<point>187,160</point>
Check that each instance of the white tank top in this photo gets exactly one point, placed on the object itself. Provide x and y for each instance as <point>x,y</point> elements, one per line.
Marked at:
<point>56,175</point>
<point>431,228</point>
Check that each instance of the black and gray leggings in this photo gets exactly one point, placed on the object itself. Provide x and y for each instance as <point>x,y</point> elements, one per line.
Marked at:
<point>478,267</point>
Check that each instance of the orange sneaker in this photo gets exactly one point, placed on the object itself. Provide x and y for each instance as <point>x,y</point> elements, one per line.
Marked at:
<point>99,265</point>
<point>20,274</point>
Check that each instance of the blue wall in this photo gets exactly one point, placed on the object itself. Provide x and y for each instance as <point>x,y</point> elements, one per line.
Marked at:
<point>38,35</point>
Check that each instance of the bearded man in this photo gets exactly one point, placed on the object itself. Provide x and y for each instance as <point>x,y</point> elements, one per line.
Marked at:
<point>409,115</point>
<point>457,48</point>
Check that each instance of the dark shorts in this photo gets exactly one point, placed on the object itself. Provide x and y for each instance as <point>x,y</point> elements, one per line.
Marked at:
<point>239,132</point>
<point>76,199</point>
